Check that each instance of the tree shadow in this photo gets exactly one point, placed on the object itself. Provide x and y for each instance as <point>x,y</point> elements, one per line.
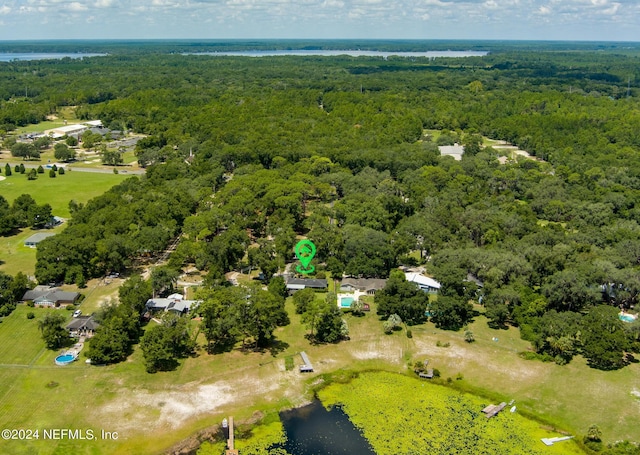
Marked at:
<point>496,325</point>
<point>278,346</point>
<point>221,348</point>
<point>274,347</point>
<point>166,365</point>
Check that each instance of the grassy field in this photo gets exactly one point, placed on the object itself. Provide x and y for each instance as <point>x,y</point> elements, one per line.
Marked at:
<point>153,412</point>
<point>79,186</point>
<point>15,256</point>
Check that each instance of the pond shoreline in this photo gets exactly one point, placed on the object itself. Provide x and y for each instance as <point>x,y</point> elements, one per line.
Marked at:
<point>214,434</point>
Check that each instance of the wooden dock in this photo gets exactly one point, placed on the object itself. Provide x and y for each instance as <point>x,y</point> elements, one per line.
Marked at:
<point>306,367</point>
<point>493,409</point>
<point>230,442</point>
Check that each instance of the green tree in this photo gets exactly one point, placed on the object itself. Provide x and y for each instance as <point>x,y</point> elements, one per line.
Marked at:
<point>53,334</point>
<point>163,280</point>
<point>162,345</point>
<point>24,151</point>
<point>52,173</point>
<point>63,153</point>
<point>594,433</point>
<point>156,350</point>
<point>450,313</point>
<point>330,327</point>
<point>402,298</point>
<point>114,339</point>
<point>302,299</point>
<point>134,293</point>
<point>42,142</point>
<point>604,339</point>
<point>111,157</point>
<point>220,309</point>
<point>7,170</point>
<point>7,297</point>
<point>468,336</point>
<point>277,286</point>
<point>71,141</point>
<point>357,308</point>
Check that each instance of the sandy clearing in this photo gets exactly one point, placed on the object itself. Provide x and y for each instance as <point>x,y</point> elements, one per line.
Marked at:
<point>163,409</point>
<point>170,409</point>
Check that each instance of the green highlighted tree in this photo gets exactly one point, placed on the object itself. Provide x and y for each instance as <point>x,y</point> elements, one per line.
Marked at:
<point>604,339</point>
<point>62,152</point>
<point>53,334</point>
<point>163,344</point>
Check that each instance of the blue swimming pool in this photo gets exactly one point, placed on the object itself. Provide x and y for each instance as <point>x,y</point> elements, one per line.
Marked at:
<point>626,318</point>
<point>345,302</point>
<point>65,359</point>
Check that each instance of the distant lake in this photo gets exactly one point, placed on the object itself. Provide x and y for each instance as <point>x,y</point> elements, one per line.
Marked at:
<point>10,56</point>
<point>351,53</point>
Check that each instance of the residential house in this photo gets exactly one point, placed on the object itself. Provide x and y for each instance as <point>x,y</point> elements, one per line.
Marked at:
<point>297,284</point>
<point>175,302</point>
<point>367,285</point>
<point>82,326</point>
<point>46,296</point>
<point>424,282</point>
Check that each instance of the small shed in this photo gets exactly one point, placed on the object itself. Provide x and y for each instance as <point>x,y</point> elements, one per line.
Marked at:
<point>33,241</point>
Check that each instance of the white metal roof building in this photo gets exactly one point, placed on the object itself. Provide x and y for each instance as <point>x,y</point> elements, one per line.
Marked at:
<point>424,282</point>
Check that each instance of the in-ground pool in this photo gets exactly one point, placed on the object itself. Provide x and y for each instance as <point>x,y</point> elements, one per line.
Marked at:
<point>65,359</point>
<point>345,302</point>
<point>627,318</point>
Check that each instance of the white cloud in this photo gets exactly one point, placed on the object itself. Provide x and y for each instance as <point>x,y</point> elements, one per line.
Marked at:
<point>76,7</point>
<point>499,19</point>
<point>612,10</point>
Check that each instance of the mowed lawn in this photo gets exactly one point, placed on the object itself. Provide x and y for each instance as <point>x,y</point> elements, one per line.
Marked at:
<point>20,339</point>
<point>78,186</point>
<point>58,191</point>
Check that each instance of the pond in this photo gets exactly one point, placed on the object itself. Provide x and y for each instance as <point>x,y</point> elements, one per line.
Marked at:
<point>312,430</point>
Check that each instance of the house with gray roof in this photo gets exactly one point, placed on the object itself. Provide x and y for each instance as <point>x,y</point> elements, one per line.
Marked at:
<point>368,285</point>
<point>50,297</point>
<point>82,326</point>
<point>175,303</point>
<point>297,284</point>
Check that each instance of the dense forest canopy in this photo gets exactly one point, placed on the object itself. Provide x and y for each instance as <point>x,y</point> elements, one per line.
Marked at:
<point>244,155</point>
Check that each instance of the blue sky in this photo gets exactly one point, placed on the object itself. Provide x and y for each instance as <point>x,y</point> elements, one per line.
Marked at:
<point>607,20</point>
